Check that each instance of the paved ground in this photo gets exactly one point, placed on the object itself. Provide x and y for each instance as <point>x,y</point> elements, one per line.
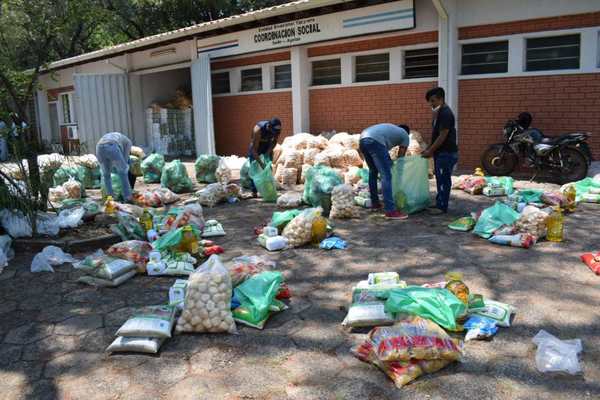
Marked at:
<point>53,331</point>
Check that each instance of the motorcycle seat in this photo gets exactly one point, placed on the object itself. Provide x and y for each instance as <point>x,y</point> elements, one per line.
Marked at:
<point>552,140</point>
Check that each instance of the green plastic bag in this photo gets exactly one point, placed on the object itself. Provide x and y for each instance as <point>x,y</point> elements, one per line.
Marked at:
<point>172,238</point>
<point>128,227</point>
<point>364,174</point>
<point>319,183</point>
<point>96,178</point>
<point>152,167</point>
<point>264,181</point>
<point>437,305</point>
<point>245,180</point>
<point>463,224</point>
<point>116,186</point>
<point>582,187</point>
<point>135,166</point>
<point>410,184</point>
<point>79,173</point>
<point>205,166</point>
<point>281,218</point>
<point>174,177</point>
<point>257,298</point>
<point>493,218</point>
<point>529,195</point>
<point>505,181</point>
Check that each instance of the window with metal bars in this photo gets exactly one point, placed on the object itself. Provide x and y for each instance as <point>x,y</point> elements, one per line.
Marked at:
<point>282,76</point>
<point>553,53</point>
<point>251,79</point>
<point>327,72</point>
<point>485,58</point>
<point>220,83</point>
<point>421,63</point>
<point>373,67</point>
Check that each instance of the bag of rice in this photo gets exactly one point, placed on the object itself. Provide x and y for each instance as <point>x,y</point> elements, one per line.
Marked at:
<point>94,281</point>
<point>208,300</point>
<point>153,321</point>
<point>342,203</point>
<point>135,344</point>
<point>102,266</point>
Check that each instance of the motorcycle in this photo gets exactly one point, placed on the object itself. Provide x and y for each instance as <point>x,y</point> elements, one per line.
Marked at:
<point>566,157</point>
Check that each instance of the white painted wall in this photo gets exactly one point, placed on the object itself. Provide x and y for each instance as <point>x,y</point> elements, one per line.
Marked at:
<point>479,12</point>
<point>145,59</point>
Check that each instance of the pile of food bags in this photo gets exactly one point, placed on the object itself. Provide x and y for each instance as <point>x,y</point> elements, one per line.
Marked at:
<point>103,270</point>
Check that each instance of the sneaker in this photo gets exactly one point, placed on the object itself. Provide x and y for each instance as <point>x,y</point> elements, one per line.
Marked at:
<point>395,215</point>
<point>435,211</point>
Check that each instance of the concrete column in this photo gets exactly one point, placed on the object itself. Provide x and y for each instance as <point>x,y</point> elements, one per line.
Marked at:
<point>448,51</point>
<point>203,111</point>
<point>267,78</point>
<point>516,55</point>
<point>43,112</point>
<point>300,95</point>
<point>347,67</point>
<point>589,50</point>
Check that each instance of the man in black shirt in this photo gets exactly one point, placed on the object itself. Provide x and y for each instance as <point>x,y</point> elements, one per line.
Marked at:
<point>443,147</point>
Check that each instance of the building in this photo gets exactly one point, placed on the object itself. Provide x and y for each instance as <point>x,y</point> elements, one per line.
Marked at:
<point>341,65</point>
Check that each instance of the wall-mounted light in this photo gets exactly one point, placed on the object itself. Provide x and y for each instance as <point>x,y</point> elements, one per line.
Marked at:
<point>163,52</point>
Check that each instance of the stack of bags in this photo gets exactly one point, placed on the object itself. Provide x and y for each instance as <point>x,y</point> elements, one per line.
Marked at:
<point>103,270</point>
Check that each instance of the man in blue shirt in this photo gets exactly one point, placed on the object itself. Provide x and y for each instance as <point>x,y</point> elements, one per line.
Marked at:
<point>443,148</point>
<point>113,150</point>
<point>264,138</point>
<point>375,143</point>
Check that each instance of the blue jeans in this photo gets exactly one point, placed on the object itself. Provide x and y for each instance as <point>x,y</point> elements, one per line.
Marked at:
<point>379,162</point>
<point>110,155</point>
<point>443,165</point>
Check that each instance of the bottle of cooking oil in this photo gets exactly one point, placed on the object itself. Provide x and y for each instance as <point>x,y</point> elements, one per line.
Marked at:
<point>478,172</point>
<point>109,206</point>
<point>571,195</point>
<point>456,285</point>
<point>554,225</point>
<point>146,220</point>
<point>189,242</point>
<point>319,229</point>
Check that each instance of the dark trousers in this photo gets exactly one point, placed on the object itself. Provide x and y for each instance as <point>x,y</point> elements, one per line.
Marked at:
<point>443,165</point>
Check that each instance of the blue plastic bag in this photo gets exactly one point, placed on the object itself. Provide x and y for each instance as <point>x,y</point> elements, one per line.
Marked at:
<point>480,327</point>
<point>333,242</point>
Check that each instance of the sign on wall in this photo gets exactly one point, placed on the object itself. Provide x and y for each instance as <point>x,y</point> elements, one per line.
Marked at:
<point>396,15</point>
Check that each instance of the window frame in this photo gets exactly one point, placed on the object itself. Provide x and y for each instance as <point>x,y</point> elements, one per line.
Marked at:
<point>526,59</point>
<point>378,53</point>
<point>71,103</point>
<point>405,50</point>
<point>228,72</point>
<point>273,74</point>
<point>312,70</point>
<point>258,67</point>
<point>462,55</point>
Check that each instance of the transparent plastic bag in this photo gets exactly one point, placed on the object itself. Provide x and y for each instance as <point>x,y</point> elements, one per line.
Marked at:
<point>208,300</point>
<point>223,173</point>
<point>206,166</point>
<point>48,257</point>
<point>211,195</point>
<point>15,223</point>
<point>73,189</point>
<point>342,203</point>
<point>555,355</point>
<point>299,230</point>
<point>289,200</point>
<point>70,218</point>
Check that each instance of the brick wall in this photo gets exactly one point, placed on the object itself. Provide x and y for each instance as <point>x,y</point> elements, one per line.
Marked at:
<point>352,109</point>
<point>530,25</point>
<point>257,59</point>
<point>374,44</point>
<point>559,104</point>
<point>234,117</point>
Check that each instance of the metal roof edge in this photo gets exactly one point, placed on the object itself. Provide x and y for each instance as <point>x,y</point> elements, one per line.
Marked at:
<point>282,9</point>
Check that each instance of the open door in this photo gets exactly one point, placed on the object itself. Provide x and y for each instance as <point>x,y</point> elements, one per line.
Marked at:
<point>102,106</point>
<point>203,109</point>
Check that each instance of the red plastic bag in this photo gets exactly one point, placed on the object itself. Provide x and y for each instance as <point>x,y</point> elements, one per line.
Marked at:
<point>284,292</point>
<point>592,261</point>
<point>209,251</point>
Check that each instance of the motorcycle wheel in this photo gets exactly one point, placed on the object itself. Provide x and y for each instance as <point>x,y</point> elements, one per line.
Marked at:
<point>575,165</point>
<point>499,160</point>
<point>585,149</point>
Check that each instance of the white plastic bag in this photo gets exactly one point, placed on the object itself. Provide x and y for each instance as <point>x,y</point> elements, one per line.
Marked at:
<point>5,242</point>
<point>15,223</point>
<point>51,255</point>
<point>223,172</point>
<point>555,355</point>
<point>135,344</point>
<point>70,218</point>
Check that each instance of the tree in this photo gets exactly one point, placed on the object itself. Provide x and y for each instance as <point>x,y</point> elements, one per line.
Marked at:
<point>33,33</point>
